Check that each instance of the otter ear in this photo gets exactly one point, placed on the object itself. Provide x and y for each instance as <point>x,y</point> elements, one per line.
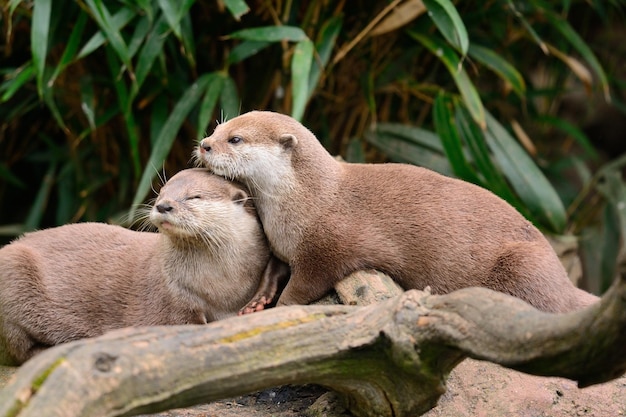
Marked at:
<point>240,197</point>
<point>288,141</point>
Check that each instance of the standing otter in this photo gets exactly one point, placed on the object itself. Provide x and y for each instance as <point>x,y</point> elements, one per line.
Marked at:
<point>81,280</point>
<point>328,219</point>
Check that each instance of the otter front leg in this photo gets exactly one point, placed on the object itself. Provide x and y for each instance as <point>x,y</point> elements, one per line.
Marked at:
<point>308,283</point>
<point>273,280</point>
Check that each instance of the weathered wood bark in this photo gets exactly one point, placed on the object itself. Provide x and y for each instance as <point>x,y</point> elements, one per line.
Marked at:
<point>388,359</point>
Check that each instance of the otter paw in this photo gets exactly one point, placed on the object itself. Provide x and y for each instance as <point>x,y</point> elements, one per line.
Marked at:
<point>255,305</point>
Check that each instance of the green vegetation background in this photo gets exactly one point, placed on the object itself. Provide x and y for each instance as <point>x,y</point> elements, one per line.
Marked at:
<point>524,98</point>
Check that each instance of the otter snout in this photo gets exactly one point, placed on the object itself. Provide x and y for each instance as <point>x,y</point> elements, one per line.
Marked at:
<point>164,207</point>
<point>204,146</point>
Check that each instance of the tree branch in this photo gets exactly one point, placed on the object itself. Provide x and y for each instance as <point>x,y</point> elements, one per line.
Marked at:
<point>387,359</point>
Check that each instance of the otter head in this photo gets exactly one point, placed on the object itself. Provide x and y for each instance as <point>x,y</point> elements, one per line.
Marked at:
<point>195,205</point>
<point>256,148</point>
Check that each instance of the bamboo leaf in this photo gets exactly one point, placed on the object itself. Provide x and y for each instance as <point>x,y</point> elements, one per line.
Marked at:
<point>415,135</point>
<point>160,111</point>
<point>164,141</point>
<point>573,131</point>
<point>88,101</point>
<point>405,149</point>
<point>237,8</point>
<point>125,104</point>
<point>449,23</point>
<point>39,38</point>
<point>174,10</point>
<point>105,22</point>
<point>245,50</point>
<point>229,99</point>
<point>38,208</point>
<point>271,34</point>
<point>529,28</point>
<point>450,139</point>
<point>500,67</point>
<point>120,19</point>
<point>16,80</point>
<point>142,28</point>
<point>207,107</point>
<point>474,137</point>
<point>402,14</point>
<point>581,46</point>
<point>300,70</point>
<point>577,67</point>
<point>152,47</point>
<point>71,47</point>
<point>526,178</point>
<point>324,45</point>
<point>189,45</point>
<point>452,62</point>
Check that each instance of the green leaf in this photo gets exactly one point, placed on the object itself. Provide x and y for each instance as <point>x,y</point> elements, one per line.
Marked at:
<point>529,28</point>
<point>120,19</point>
<point>600,246</point>
<point>245,50</point>
<point>124,101</point>
<point>573,131</point>
<point>445,128</point>
<point>581,46</point>
<point>174,10</point>
<point>300,70</point>
<point>88,101</point>
<point>500,67</point>
<point>418,136</point>
<point>105,22</point>
<point>449,23</point>
<point>160,111</point>
<point>39,39</point>
<point>38,208</point>
<point>410,145</point>
<point>142,28</point>
<point>164,141</point>
<point>152,47</point>
<point>229,99</point>
<point>207,107</point>
<point>527,179</point>
<point>237,8</point>
<point>271,34</point>
<point>452,62</point>
<point>189,45</point>
<point>475,140</point>
<point>16,80</point>
<point>327,37</point>
<point>71,47</point>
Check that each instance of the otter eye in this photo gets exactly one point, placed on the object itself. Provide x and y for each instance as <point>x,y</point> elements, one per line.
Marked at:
<point>235,140</point>
<point>194,197</point>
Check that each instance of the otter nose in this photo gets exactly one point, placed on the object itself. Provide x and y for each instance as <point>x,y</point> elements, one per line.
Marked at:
<point>164,207</point>
<point>205,145</point>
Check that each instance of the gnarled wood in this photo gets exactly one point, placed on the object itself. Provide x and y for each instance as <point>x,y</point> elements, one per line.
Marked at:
<point>387,359</point>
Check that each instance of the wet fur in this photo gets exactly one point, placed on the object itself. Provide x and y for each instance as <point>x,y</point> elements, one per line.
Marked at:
<point>81,280</point>
<point>328,219</point>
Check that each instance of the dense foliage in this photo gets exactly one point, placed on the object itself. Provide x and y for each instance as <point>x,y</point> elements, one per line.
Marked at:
<point>98,97</point>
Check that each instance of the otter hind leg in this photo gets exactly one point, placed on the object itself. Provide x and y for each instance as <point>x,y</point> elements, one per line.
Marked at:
<point>17,345</point>
<point>532,272</point>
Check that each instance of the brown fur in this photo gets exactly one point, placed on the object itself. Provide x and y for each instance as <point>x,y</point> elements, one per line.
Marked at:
<point>328,219</point>
<point>81,280</point>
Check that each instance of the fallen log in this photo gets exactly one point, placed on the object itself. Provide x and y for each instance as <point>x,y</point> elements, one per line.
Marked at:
<point>386,359</point>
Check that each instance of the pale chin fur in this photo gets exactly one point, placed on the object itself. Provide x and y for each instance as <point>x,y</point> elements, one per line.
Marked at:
<point>263,168</point>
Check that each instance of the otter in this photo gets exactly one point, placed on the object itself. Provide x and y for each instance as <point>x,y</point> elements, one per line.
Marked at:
<point>328,218</point>
<point>209,260</point>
